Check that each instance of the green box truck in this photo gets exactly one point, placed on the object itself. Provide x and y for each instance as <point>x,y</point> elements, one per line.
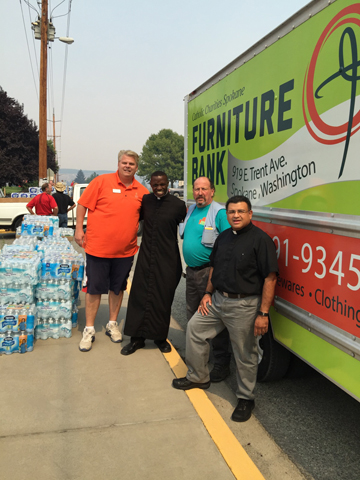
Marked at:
<point>280,125</point>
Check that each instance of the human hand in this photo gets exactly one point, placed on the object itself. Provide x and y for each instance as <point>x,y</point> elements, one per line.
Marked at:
<point>79,237</point>
<point>261,325</point>
<point>203,307</point>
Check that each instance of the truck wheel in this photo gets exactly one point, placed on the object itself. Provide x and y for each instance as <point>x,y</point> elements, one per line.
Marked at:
<point>298,368</point>
<point>18,222</point>
<point>274,359</point>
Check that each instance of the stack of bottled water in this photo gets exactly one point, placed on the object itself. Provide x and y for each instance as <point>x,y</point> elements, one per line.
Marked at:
<point>57,293</point>
<point>17,328</point>
<point>20,267</point>
<point>39,225</point>
<point>40,281</point>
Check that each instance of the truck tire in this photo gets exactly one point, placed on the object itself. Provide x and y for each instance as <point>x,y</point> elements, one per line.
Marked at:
<point>18,222</point>
<point>274,359</point>
<point>298,368</point>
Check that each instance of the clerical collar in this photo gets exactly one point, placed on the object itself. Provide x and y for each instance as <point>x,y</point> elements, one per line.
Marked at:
<point>159,198</point>
<point>243,230</point>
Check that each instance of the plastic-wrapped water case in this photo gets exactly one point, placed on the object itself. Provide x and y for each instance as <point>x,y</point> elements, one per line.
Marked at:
<point>17,318</point>
<point>39,225</point>
<point>16,342</point>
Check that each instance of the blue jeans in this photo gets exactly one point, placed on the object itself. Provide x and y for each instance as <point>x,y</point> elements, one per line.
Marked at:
<point>63,220</point>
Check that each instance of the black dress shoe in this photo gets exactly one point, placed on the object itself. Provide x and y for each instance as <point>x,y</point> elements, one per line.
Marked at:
<point>219,373</point>
<point>163,346</point>
<point>132,347</point>
<point>243,410</point>
<point>185,384</point>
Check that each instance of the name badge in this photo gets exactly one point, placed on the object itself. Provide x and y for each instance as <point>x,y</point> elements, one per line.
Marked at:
<point>116,190</point>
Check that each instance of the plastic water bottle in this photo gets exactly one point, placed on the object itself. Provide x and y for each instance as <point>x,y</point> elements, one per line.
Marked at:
<point>39,328</point>
<point>30,321</point>
<point>74,316</point>
<point>44,332</point>
<point>64,290</point>
<point>22,319</point>
<point>55,329</point>
<point>9,343</point>
<point>65,309</point>
<point>10,321</point>
<point>30,341</point>
<point>65,327</point>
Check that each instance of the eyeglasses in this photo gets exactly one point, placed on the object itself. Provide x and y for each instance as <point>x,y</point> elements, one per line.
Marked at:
<point>240,212</point>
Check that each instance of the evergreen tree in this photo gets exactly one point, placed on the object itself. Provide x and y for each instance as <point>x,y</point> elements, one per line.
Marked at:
<point>92,176</point>
<point>80,177</point>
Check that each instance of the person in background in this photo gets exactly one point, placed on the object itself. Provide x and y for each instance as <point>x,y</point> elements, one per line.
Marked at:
<point>43,203</point>
<point>158,268</point>
<point>113,202</point>
<point>203,223</point>
<point>64,203</point>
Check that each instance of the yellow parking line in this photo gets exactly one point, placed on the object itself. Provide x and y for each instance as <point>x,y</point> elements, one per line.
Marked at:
<point>233,453</point>
<point>235,456</point>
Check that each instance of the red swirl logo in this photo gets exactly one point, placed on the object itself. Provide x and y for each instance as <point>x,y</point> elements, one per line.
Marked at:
<point>319,129</point>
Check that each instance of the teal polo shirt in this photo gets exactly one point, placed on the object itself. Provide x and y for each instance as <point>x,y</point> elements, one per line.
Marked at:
<point>195,253</point>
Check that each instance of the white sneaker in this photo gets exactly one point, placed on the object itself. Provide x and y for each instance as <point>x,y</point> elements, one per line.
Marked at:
<point>112,330</point>
<point>87,340</point>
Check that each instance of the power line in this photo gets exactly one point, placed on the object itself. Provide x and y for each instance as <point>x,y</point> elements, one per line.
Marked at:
<point>33,37</point>
<point>65,68</point>
<point>30,6</point>
<point>28,47</point>
<point>58,5</point>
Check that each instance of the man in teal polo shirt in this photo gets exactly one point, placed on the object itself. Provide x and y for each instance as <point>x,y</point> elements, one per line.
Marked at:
<point>203,223</point>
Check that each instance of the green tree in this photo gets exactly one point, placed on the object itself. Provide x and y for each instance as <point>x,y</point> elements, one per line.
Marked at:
<point>163,151</point>
<point>80,177</point>
<point>51,157</point>
<point>19,144</point>
<point>92,176</point>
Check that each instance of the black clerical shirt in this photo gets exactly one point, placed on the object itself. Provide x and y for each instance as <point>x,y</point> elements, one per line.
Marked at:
<point>242,260</point>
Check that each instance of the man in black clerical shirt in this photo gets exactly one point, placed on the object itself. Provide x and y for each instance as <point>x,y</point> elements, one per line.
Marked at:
<point>158,268</point>
<point>238,296</point>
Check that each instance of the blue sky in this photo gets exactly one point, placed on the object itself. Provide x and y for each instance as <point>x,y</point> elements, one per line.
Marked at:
<point>130,67</point>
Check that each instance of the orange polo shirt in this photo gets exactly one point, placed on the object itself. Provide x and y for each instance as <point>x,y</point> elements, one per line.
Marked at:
<point>113,216</point>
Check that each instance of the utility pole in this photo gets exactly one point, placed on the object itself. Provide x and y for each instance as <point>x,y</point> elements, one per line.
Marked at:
<point>43,92</point>
<point>45,31</point>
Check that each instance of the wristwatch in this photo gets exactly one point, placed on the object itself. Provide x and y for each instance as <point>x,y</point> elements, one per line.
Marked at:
<point>262,314</point>
<point>208,293</point>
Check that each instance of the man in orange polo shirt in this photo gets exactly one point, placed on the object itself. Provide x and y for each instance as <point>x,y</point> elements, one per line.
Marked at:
<point>113,202</point>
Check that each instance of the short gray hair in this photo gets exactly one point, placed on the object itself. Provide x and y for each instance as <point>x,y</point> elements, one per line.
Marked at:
<point>129,153</point>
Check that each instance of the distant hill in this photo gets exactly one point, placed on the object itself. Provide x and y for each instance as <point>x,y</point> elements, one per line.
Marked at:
<point>67,175</point>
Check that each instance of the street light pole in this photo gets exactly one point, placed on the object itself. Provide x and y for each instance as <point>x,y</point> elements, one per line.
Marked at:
<point>43,92</point>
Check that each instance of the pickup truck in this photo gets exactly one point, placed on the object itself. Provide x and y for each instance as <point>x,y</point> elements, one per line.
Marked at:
<point>177,192</point>
<point>12,210</point>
